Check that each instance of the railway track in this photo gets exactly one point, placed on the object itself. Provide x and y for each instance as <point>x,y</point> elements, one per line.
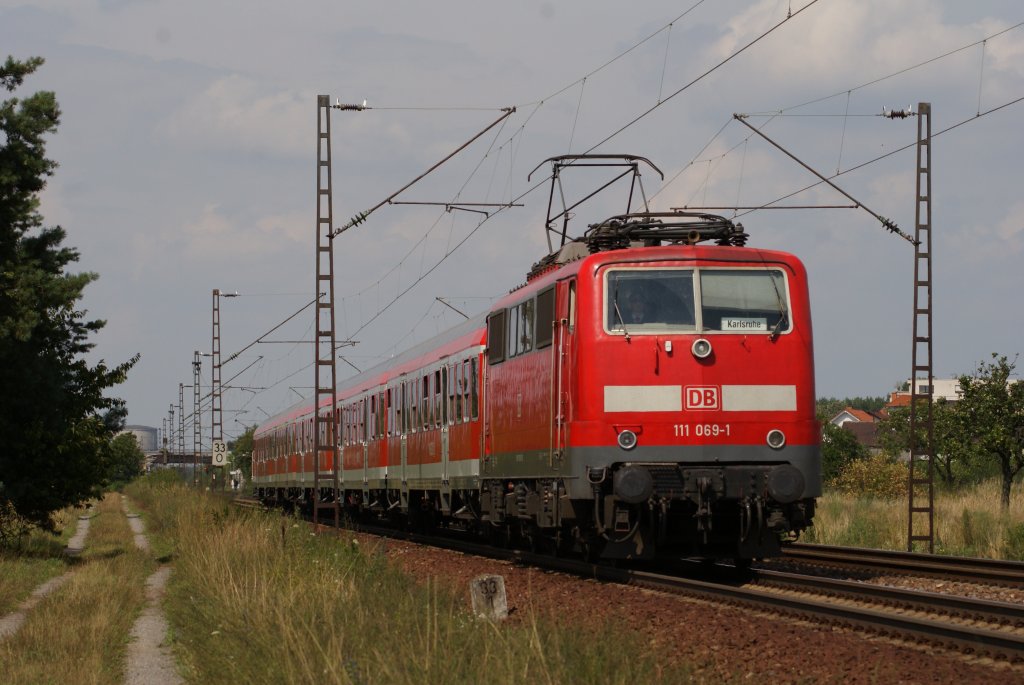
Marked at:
<point>971,626</point>
<point>988,571</point>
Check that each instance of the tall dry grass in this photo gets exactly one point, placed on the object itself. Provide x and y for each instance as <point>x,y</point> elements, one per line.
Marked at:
<point>255,601</point>
<point>35,559</point>
<point>968,522</point>
<point>78,633</point>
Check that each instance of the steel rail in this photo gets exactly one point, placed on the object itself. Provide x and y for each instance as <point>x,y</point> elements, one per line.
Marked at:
<point>993,571</point>
<point>998,613</point>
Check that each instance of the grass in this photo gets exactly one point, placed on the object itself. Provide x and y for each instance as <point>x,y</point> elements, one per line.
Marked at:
<point>251,601</point>
<point>38,558</point>
<point>78,633</point>
<point>968,522</point>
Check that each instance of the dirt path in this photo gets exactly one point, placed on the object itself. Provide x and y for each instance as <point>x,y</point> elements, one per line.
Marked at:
<point>12,622</point>
<point>150,661</point>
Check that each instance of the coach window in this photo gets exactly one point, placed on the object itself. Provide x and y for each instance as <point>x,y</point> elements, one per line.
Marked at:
<point>394,411</point>
<point>360,422</point>
<point>374,417</point>
<point>425,403</point>
<point>438,398</point>
<point>458,392</point>
<point>448,398</point>
<point>404,389</point>
<point>496,337</point>
<point>414,412</point>
<point>473,376</point>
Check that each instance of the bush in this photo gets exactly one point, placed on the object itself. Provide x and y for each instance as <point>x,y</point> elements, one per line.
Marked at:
<point>875,476</point>
<point>1014,548</point>
<point>12,526</point>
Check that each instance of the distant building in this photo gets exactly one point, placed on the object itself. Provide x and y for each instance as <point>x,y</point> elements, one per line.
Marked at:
<point>862,424</point>
<point>146,436</point>
<point>942,389</point>
<point>851,415</point>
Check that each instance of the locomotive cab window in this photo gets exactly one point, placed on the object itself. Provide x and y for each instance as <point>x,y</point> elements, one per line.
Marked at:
<point>649,300</point>
<point>657,300</point>
<point>744,300</point>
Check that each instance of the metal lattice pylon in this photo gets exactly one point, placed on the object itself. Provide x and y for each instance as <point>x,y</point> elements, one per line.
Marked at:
<point>326,453</point>
<point>197,428</point>
<point>181,420</point>
<point>921,501</point>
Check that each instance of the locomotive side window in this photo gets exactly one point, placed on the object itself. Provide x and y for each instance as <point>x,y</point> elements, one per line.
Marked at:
<point>526,324</point>
<point>512,324</point>
<point>739,300</point>
<point>649,300</point>
<point>545,316</point>
<point>496,337</point>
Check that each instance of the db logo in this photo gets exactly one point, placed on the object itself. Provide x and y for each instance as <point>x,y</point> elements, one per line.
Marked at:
<point>702,397</point>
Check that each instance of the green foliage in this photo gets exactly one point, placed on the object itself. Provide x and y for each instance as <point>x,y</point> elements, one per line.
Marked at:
<point>991,418</point>
<point>1014,544</point>
<point>974,438</point>
<point>979,531</point>
<point>875,476</point>
<point>241,452</point>
<point>838,448</point>
<point>126,459</point>
<point>56,421</point>
<point>827,407</point>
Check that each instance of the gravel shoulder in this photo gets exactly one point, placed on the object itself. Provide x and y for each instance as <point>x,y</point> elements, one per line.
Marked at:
<point>723,643</point>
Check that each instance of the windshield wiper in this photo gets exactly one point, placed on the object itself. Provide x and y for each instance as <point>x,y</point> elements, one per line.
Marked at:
<point>615,303</point>
<point>782,309</point>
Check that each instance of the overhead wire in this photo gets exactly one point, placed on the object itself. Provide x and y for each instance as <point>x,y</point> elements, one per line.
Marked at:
<point>784,112</point>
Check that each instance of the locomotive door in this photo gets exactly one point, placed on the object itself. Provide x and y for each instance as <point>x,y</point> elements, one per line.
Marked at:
<point>564,331</point>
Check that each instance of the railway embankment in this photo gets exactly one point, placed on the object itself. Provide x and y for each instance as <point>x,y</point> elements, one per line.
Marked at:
<point>256,596</point>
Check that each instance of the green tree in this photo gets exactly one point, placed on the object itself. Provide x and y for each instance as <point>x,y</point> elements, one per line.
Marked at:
<point>241,452</point>
<point>839,447</point>
<point>126,459</point>
<point>991,418</point>
<point>56,423</point>
<point>956,458</point>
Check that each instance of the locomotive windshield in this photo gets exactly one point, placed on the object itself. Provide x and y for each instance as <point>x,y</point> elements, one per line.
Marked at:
<point>654,300</point>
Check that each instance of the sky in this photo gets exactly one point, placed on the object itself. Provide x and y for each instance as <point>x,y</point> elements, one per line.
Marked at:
<point>187,154</point>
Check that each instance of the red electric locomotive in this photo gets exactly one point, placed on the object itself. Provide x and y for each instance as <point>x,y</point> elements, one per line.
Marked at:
<point>641,395</point>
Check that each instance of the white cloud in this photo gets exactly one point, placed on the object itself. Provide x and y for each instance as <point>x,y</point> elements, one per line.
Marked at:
<point>238,113</point>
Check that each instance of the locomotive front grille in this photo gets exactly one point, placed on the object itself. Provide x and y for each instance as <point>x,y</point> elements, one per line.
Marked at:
<point>668,481</point>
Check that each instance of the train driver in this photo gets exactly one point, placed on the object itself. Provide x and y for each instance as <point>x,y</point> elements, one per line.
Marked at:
<point>638,309</point>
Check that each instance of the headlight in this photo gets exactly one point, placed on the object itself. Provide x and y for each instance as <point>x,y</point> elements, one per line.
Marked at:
<point>627,439</point>
<point>701,348</point>
<point>776,439</point>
